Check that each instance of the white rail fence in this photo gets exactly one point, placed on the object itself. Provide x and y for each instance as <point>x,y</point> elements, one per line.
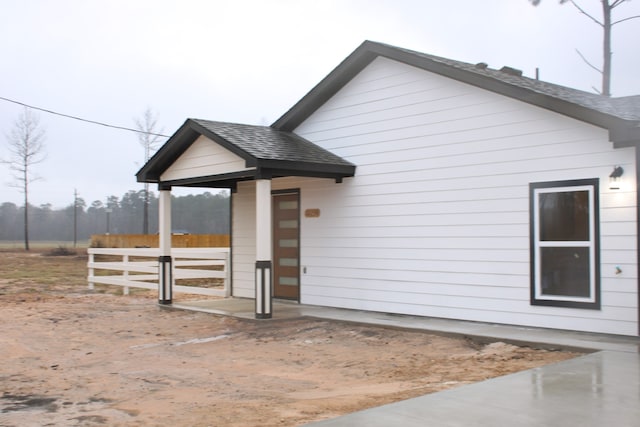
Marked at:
<point>139,269</point>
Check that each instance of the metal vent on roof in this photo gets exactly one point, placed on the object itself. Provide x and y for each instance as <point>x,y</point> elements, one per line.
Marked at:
<point>511,71</point>
<point>482,65</point>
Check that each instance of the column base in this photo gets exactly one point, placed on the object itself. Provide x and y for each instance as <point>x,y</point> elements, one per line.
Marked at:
<point>263,316</point>
<point>263,290</point>
<point>165,281</point>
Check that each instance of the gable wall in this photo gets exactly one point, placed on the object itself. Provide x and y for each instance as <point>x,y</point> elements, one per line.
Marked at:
<point>436,220</point>
<point>204,157</point>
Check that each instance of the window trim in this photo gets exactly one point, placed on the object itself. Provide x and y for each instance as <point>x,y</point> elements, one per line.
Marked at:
<point>537,298</point>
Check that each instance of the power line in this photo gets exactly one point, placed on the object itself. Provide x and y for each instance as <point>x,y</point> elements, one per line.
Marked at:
<point>81,119</point>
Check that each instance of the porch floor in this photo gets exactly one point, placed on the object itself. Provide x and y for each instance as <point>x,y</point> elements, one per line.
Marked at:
<point>600,388</point>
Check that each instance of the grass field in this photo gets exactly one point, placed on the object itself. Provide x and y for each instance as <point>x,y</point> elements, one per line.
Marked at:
<point>35,273</point>
<point>42,244</point>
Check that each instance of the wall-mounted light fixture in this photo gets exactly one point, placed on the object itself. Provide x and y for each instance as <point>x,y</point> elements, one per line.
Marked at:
<point>615,178</point>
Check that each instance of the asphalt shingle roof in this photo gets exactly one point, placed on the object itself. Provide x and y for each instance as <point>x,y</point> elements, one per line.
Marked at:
<point>627,108</point>
<point>620,115</point>
<point>278,151</point>
<point>267,152</point>
<point>266,143</point>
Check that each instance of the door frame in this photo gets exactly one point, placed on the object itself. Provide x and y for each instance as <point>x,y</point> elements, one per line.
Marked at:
<point>274,194</point>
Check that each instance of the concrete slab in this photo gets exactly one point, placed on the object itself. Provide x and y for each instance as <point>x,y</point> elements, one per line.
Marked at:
<point>240,307</point>
<point>550,338</point>
<point>599,389</point>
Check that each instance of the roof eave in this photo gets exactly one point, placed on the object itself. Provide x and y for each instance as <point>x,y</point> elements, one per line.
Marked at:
<point>173,148</point>
<point>297,168</point>
<point>266,170</point>
<point>625,135</point>
<point>327,87</point>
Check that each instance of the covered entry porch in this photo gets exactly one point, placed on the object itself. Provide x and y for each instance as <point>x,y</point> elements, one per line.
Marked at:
<point>207,154</point>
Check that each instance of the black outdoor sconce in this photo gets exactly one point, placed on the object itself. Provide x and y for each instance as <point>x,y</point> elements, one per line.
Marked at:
<point>614,178</point>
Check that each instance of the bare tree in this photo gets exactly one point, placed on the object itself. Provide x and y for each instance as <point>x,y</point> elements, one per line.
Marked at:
<point>607,25</point>
<point>26,148</point>
<point>149,137</point>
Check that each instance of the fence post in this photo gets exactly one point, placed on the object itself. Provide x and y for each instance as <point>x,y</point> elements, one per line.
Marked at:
<point>125,274</point>
<point>227,274</point>
<point>91,271</point>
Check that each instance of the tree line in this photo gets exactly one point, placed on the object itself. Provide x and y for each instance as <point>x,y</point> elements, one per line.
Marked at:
<point>204,213</point>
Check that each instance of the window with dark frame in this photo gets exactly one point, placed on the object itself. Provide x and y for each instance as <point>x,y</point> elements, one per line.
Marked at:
<point>565,252</point>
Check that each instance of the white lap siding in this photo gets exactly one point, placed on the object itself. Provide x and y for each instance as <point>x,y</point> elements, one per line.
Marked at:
<point>204,157</point>
<point>436,220</point>
<point>243,239</point>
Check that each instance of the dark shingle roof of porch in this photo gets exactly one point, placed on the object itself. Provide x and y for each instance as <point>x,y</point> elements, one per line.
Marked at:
<point>271,152</point>
<point>267,143</point>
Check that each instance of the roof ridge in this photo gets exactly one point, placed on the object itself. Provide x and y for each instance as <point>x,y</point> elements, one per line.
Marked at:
<point>590,107</point>
<point>228,123</point>
<point>473,66</point>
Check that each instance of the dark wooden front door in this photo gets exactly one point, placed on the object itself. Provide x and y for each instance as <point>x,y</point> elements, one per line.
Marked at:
<point>286,246</point>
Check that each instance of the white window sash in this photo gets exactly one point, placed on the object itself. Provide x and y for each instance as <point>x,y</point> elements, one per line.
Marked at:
<point>591,244</point>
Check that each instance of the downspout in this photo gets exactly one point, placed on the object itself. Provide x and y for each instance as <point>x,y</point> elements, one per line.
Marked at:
<point>637,150</point>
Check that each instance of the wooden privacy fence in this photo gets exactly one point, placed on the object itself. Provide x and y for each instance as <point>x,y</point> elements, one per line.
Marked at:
<point>153,241</point>
<point>138,268</point>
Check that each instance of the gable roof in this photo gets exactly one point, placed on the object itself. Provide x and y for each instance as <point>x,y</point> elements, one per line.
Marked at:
<point>274,151</point>
<point>621,116</point>
<point>264,143</point>
<point>268,152</point>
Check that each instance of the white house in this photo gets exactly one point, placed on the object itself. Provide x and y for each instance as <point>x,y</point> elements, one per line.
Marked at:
<point>413,184</point>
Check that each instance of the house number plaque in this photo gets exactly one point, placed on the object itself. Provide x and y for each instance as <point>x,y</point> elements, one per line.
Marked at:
<point>312,213</point>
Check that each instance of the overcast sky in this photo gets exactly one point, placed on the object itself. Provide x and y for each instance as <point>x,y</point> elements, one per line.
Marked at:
<point>247,61</point>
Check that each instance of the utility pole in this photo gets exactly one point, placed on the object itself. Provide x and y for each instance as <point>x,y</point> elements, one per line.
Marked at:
<point>108,211</point>
<point>75,217</point>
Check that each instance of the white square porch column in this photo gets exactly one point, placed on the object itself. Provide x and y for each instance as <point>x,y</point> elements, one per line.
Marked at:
<point>263,249</point>
<point>165,264</point>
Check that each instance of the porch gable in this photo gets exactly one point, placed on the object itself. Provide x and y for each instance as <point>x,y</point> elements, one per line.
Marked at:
<point>204,157</point>
<point>205,153</point>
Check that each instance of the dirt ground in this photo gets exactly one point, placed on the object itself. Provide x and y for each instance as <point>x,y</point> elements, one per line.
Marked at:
<point>74,357</point>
